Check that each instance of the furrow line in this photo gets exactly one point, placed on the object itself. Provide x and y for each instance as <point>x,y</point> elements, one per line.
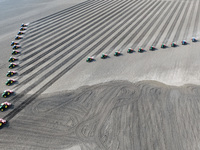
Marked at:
<point>195,30</point>
<point>121,31</point>
<point>148,27</point>
<point>63,29</point>
<point>141,26</point>
<point>165,25</point>
<point>157,26</point>
<point>189,21</point>
<point>182,22</point>
<point>31,98</point>
<point>68,10</point>
<point>68,67</point>
<point>173,24</point>
<point>115,19</point>
<point>63,42</point>
<point>52,26</point>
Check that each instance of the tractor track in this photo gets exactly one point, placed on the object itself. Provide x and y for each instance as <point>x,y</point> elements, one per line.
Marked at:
<point>87,118</point>
<point>52,26</point>
<point>59,90</point>
<point>56,34</point>
<point>71,49</point>
<point>68,31</point>
<point>66,46</point>
<point>147,28</point>
<point>173,24</point>
<point>156,27</point>
<point>121,31</point>
<point>86,25</point>
<point>36,94</point>
<point>195,30</point>
<point>176,37</point>
<point>81,6</point>
<point>189,21</point>
<point>165,25</point>
<point>140,28</point>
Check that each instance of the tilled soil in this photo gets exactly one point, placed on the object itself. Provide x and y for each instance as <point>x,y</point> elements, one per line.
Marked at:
<point>116,115</point>
<point>112,116</point>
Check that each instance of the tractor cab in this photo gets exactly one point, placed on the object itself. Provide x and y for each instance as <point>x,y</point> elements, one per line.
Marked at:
<point>117,53</point>
<point>194,39</point>
<point>173,44</point>
<point>140,50</point>
<point>163,46</point>
<point>130,50</point>
<point>90,59</point>
<point>103,56</point>
<point>184,42</point>
<point>152,48</point>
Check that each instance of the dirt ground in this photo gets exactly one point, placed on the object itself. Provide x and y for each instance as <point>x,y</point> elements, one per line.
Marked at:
<point>143,101</point>
<point>112,116</point>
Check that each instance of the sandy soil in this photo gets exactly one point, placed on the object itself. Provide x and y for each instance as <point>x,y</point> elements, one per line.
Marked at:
<point>55,48</point>
<point>50,109</point>
<point>13,14</point>
<point>111,116</point>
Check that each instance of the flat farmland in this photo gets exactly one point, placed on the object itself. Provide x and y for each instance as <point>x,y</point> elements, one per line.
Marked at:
<point>133,101</point>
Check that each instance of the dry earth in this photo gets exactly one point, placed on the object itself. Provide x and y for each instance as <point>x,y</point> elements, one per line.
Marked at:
<point>49,112</point>
<point>147,115</point>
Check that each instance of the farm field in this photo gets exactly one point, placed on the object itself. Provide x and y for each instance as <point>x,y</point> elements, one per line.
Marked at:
<point>140,100</point>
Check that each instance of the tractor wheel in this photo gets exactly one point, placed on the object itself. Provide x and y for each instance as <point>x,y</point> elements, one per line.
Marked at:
<point>1,109</point>
<point>8,93</point>
<point>5,96</point>
<point>8,84</point>
<point>8,75</point>
<point>11,73</point>
<point>11,81</point>
<point>0,124</point>
<point>6,106</point>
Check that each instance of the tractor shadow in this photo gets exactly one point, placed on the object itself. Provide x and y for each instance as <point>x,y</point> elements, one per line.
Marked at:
<point>131,52</point>
<point>153,50</point>
<point>13,75</point>
<point>175,46</point>
<point>108,57</point>
<point>118,55</point>
<point>144,51</point>
<point>14,83</point>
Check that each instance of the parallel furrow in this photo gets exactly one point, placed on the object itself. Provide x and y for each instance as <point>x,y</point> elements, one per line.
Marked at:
<point>173,24</point>
<point>182,22</point>
<point>190,20</point>
<point>122,30</point>
<point>165,25</point>
<point>148,27</point>
<point>98,23</point>
<point>72,9</point>
<point>157,26</point>
<point>112,21</point>
<point>82,28</point>
<point>51,34</point>
<point>195,30</point>
<point>62,24</point>
<point>35,95</point>
<point>140,28</point>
